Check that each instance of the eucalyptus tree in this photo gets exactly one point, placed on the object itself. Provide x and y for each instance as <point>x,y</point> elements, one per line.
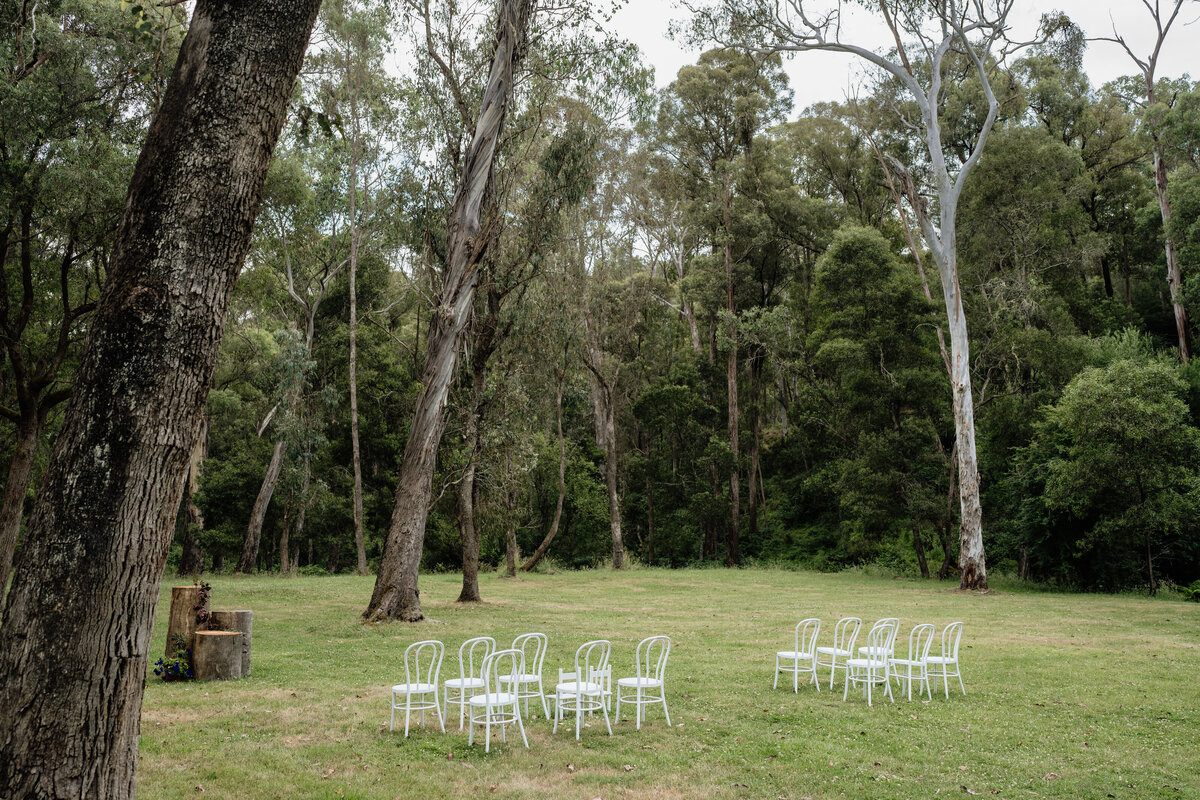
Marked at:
<point>1163,19</point>
<point>711,115</point>
<point>469,233</point>
<point>80,80</point>
<point>935,33</point>
<point>86,582</point>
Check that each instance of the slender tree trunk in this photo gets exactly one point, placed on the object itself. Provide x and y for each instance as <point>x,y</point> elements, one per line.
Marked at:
<point>395,594</point>
<point>355,452</point>
<point>731,384</point>
<point>1174,275</point>
<point>562,479</point>
<point>1127,273</point>
<point>77,626</point>
<point>192,560</point>
<point>15,488</point>
<point>649,520</point>
<point>466,516</point>
<point>919,547</point>
<point>284,539</point>
<point>754,480</point>
<point>511,552</point>
<point>259,512</point>
<point>301,517</point>
<point>610,478</point>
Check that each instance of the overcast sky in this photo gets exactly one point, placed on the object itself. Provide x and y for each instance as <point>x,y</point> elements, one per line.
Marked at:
<point>831,76</point>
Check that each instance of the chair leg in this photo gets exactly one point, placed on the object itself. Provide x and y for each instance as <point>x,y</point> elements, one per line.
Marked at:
<point>542,694</point>
<point>438,709</point>
<point>578,715</point>
<point>958,674</point>
<point>407,712</point>
<point>392,727</point>
<point>471,728</point>
<point>604,708</point>
<point>617,718</point>
<point>638,707</point>
<point>664,702</point>
<point>487,729</point>
<point>832,669</point>
<point>520,725</point>
<point>776,684</point>
<point>946,682</point>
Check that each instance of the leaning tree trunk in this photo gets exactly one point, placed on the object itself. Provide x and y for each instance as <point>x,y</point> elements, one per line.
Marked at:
<point>15,487</point>
<point>77,626</point>
<point>192,560</point>
<point>395,595</point>
<point>562,481</point>
<point>259,513</point>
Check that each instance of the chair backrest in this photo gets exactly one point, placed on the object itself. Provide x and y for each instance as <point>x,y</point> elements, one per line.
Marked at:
<point>880,641</point>
<point>471,655</point>
<point>950,639</point>
<point>500,663</point>
<point>591,659</point>
<point>651,655</point>
<point>807,631</point>
<point>919,640</point>
<point>845,632</point>
<point>533,646</point>
<point>423,661</point>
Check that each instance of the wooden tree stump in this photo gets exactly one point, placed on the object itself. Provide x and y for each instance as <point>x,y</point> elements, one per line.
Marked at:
<point>217,655</point>
<point>237,621</point>
<point>182,620</point>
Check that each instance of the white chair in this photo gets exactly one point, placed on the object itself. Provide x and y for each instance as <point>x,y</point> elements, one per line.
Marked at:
<point>650,664</point>
<point>457,691</point>
<point>915,668</point>
<point>584,690</point>
<point>886,622</point>
<point>529,681</point>
<point>945,666</point>
<point>422,666</point>
<point>493,706</point>
<point>803,658</point>
<point>845,632</point>
<point>871,670</point>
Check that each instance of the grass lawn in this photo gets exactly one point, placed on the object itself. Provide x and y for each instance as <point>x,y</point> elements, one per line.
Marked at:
<point>1072,696</point>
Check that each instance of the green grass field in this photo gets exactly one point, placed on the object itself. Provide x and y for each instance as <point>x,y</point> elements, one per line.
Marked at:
<point>1072,696</point>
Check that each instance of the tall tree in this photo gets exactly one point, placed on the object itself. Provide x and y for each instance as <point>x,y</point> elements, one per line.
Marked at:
<point>924,68</point>
<point>1163,20</point>
<point>87,577</point>
<point>471,220</point>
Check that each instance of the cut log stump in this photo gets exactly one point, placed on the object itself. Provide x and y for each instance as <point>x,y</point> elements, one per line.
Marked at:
<point>217,655</point>
<point>182,621</point>
<point>242,621</point>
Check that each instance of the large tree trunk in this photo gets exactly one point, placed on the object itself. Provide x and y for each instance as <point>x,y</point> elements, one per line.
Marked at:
<point>466,517</point>
<point>562,479</point>
<point>395,595</point>
<point>15,488</point>
<point>259,512</point>
<point>731,385</point>
<point>192,560</point>
<point>77,626</point>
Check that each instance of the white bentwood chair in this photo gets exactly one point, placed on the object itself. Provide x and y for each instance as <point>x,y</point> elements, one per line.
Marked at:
<point>871,669</point>
<point>945,666</point>
<point>493,706</point>
<point>650,664</point>
<point>471,655</point>
<point>528,683</point>
<point>886,622</point>
<point>845,632</point>
<point>803,658</point>
<point>585,689</point>
<point>915,667</point>
<point>422,667</point>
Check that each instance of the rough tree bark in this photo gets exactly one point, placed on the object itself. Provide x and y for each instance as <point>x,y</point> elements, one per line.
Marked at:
<point>87,577</point>
<point>15,487</point>
<point>395,594</point>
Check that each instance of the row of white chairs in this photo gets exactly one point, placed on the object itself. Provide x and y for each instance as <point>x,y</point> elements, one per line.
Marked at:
<point>875,663</point>
<point>492,683</point>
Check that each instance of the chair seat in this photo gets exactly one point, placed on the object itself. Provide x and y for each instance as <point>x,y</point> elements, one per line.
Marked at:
<point>635,683</point>
<point>795,655</point>
<point>873,651</point>
<point>866,662</point>
<point>941,660</point>
<point>524,677</point>
<point>907,662</point>
<point>493,699</point>
<point>464,683</point>
<point>833,651</point>
<point>578,687</point>
<point>413,688</point>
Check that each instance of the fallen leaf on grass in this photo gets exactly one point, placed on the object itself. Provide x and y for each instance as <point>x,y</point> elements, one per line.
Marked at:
<point>1051,776</point>
<point>570,767</point>
<point>327,773</point>
<point>627,768</point>
<point>968,791</point>
<point>744,786</point>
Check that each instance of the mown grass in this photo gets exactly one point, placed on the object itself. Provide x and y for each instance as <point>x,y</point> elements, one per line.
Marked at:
<point>1072,696</point>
